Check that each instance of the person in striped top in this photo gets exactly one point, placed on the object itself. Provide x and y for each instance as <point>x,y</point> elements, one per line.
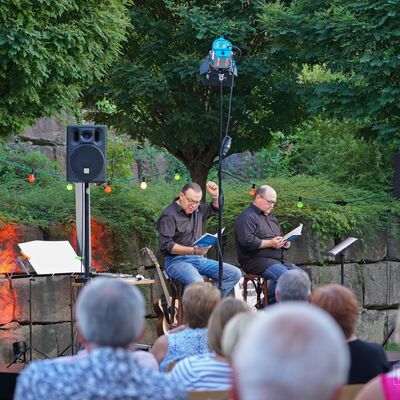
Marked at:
<point>211,371</point>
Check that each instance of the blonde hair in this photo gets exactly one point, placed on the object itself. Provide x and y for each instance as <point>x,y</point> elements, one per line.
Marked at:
<point>225,310</point>
<point>235,329</point>
<point>198,301</point>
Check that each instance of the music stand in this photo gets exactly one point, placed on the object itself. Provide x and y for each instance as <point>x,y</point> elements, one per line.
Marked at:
<point>339,250</point>
<point>47,258</point>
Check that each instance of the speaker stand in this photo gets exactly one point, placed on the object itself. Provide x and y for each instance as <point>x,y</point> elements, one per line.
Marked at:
<point>87,241</point>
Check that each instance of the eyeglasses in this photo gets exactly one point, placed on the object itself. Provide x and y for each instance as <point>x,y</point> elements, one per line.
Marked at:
<point>270,202</point>
<point>190,201</point>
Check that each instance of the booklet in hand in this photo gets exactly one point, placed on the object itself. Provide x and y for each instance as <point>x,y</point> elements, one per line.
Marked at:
<point>294,234</point>
<point>207,239</point>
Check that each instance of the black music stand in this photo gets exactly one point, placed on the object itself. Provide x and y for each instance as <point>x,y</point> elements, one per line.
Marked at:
<point>338,250</point>
<point>30,348</point>
<point>48,258</point>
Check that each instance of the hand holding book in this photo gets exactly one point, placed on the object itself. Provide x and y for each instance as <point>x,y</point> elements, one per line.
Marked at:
<point>294,234</point>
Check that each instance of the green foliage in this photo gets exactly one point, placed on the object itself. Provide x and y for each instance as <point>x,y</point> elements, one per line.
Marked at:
<point>357,42</point>
<point>333,150</point>
<point>365,212</point>
<point>119,158</point>
<point>159,94</point>
<point>50,51</point>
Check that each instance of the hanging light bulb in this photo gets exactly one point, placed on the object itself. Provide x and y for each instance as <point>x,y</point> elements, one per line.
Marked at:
<point>252,190</point>
<point>177,176</point>
<point>107,187</point>
<point>300,204</point>
<point>143,184</point>
<point>70,186</point>
<point>31,177</point>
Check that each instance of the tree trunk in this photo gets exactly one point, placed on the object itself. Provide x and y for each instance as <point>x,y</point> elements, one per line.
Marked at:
<point>199,166</point>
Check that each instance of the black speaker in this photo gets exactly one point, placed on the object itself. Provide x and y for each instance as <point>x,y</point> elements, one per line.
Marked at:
<point>396,184</point>
<point>86,153</point>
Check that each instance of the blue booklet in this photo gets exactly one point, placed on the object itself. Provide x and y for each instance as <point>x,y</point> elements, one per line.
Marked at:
<point>207,239</point>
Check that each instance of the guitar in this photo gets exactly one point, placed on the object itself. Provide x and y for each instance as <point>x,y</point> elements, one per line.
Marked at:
<point>167,313</point>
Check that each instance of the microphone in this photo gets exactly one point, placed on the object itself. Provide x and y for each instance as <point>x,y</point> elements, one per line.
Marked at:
<point>226,145</point>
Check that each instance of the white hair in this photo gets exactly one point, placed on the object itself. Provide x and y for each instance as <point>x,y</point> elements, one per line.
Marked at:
<point>294,285</point>
<point>293,351</point>
<point>110,312</point>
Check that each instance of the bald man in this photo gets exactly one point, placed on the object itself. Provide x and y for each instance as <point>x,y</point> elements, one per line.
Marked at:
<point>259,242</point>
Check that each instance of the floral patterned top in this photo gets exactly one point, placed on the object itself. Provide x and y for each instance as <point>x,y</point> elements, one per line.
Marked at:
<point>106,374</point>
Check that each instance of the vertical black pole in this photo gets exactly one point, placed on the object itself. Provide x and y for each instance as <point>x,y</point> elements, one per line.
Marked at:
<point>87,244</point>
<point>220,193</point>
<point>30,318</point>
<point>342,269</point>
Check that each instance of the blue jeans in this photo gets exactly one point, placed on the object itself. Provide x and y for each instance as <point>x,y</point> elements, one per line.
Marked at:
<point>189,269</point>
<point>272,273</point>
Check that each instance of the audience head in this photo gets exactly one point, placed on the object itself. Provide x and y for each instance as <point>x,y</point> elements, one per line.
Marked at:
<point>110,313</point>
<point>340,303</point>
<point>198,301</point>
<point>293,285</point>
<point>223,312</point>
<point>292,351</point>
<point>235,329</point>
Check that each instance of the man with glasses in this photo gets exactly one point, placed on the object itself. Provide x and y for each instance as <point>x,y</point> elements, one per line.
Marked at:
<point>259,242</point>
<point>179,226</point>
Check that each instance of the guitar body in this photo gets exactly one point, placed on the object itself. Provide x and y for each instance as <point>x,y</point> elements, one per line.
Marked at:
<point>163,311</point>
<point>167,313</point>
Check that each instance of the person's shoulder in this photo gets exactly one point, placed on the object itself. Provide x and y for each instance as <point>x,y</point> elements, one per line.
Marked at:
<point>247,212</point>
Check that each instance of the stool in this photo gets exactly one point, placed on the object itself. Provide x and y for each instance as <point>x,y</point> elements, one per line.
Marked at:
<point>177,288</point>
<point>260,286</point>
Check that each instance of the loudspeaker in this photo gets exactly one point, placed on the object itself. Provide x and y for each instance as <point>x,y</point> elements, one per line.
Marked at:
<point>396,189</point>
<point>86,153</point>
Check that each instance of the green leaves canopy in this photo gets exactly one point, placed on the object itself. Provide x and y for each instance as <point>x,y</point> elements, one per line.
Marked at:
<point>49,51</point>
<point>160,96</point>
<point>358,41</point>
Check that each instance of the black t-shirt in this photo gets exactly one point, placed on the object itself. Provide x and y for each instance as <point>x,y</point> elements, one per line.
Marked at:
<point>367,360</point>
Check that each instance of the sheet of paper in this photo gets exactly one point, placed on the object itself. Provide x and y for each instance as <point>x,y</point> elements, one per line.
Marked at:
<point>51,257</point>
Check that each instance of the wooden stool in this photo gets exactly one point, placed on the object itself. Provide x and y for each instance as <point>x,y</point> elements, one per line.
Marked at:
<point>177,288</point>
<point>260,286</point>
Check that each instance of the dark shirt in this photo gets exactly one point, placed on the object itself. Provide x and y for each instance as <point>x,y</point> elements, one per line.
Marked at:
<point>251,226</point>
<point>176,227</point>
<point>367,360</point>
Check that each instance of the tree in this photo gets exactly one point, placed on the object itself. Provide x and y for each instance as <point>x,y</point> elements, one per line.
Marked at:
<point>358,43</point>
<point>159,94</point>
<point>49,51</point>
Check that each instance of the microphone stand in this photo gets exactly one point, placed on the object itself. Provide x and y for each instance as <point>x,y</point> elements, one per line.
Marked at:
<point>220,192</point>
<point>224,146</point>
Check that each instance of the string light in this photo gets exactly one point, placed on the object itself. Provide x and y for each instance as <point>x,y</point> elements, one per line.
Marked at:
<point>177,175</point>
<point>31,177</point>
<point>143,184</point>
<point>107,187</point>
<point>252,190</point>
<point>70,186</point>
<point>300,203</point>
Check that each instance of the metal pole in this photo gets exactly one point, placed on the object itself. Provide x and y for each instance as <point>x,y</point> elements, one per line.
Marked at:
<point>220,193</point>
